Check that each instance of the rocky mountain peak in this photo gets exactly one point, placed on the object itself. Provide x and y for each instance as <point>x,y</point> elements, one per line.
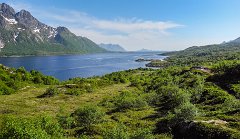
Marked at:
<point>62,29</point>
<point>24,17</point>
<point>7,11</point>
<point>24,14</point>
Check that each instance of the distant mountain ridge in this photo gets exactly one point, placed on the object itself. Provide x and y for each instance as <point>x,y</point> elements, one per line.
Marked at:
<point>23,34</point>
<point>144,50</point>
<point>112,47</point>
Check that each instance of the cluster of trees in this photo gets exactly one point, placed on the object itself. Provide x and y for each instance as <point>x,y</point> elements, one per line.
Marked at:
<point>12,79</point>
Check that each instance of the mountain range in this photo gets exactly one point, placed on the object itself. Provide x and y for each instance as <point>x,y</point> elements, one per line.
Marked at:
<point>23,34</point>
<point>112,47</point>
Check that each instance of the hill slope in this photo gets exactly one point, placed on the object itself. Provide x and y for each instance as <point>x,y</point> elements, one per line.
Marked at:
<point>210,53</point>
<point>23,34</point>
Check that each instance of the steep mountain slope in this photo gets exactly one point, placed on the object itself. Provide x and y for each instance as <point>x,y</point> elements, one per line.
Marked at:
<point>23,34</point>
<point>112,47</point>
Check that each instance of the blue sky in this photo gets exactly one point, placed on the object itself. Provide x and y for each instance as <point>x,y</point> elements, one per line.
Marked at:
<point>137,24</point>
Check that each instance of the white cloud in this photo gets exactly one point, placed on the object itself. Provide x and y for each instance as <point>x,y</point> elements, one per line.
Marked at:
<point>133,33</point>
<point>133,26</point>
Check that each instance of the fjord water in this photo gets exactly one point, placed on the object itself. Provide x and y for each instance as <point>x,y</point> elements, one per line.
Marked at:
<point>70,66</point>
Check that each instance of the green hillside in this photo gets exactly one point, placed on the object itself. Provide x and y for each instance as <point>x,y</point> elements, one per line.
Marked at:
<point>174,102</point>
<point>202,54</point>
<point>65,43</point>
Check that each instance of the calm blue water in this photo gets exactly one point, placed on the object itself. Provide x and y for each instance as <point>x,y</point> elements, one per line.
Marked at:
<point>69,66</point>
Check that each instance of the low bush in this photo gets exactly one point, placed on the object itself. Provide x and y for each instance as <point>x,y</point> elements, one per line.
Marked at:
<point>5,90</point>
<point>117,132</point>
<point>185,112</point>
<point>75,92</point>
<point>143,134</point>
<point>204,130</point>
<point>127,100</point>
<point>50,92</point>
<point>88,115</point>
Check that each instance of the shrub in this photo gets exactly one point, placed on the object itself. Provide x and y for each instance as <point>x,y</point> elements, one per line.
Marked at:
<point>143,134</point>
<point>51,126</point>
<point>66,122</point>
<point>208,131</point>
<point>185,112</point>
<point>127,100</point>
<point>37,80</point>
<point>117,132</point>
<point>48,80</point>
<point>5,90</point>
<point>50,92</point>
<point>88,115</point>
<point>89,89</point>
<point>236,89</point>
<point>30,128</point>
<point>170,97</point>
<point>74,92</point>
<point>230,104</point>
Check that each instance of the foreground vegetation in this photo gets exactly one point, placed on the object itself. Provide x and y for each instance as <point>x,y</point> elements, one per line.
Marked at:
<point>194,95</point>
<point>174,102</point>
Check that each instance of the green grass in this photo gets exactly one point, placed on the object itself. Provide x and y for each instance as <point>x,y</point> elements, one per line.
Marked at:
<point>27,103</point>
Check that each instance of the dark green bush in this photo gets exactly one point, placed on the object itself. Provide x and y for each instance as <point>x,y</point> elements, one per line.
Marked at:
<point>5,90</point>
<point>128,100</point>
<point>117,132</point>
<point>74,92</point>
<point>185,112</point>
<point>48,80</point>
<point>50,92</point>
<point>66,122</point>
<point>170,97</point>
<point>37,80</point>
<point>204,130</point>
<point>88,115</point>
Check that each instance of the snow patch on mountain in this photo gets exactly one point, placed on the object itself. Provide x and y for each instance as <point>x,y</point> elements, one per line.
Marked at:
<point>52,33</point>
<point>36,30</point>
<point>1,44</point>
<point>15,36</point>
<point>10,21</point>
